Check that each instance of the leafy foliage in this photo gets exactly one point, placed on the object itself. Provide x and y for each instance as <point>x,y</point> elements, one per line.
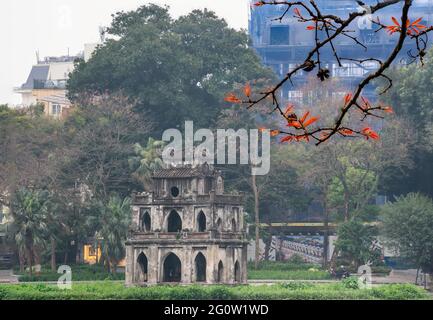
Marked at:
<point>146,160</point>
<point>356,242</point>
<point>408,225</point>
<point>114,218</point>
<point>411,97</point>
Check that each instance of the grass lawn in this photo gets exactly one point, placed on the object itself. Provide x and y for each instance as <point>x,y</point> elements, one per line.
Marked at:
<point>288,275</point>
<point>82,272</point>
<point>274,270</point>
<point>109,290</point>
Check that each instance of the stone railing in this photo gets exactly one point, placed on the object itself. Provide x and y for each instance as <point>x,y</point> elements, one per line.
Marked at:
<point>189,235</point>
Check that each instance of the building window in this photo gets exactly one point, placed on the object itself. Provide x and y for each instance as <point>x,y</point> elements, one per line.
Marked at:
<point>295,96</point>
<point>145,222</point>
<point>201,222</point>
<point>56,109</point>
<point>174,192</point>
<point>279,35</point>
<point>368,36</point>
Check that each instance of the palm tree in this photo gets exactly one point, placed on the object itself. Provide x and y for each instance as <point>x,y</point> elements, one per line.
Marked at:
<point>115,219</point>
<point>29,224</point>
<point>147,160</point>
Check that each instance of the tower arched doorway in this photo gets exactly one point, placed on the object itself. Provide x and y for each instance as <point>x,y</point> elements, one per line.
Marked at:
<point>200,268</point>
<point>174,222</point>
<point>220,275</point>
<point>172,269</point>
<point>142,267</point>
<point>237,272</point>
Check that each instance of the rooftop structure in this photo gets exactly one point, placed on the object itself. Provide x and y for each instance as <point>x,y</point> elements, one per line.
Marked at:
<point>46,82</point>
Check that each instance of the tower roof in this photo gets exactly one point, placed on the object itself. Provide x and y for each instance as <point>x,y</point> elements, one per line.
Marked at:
<point>185,172</point>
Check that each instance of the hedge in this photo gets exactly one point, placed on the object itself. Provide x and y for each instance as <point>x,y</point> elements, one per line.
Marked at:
<point>294,291</point>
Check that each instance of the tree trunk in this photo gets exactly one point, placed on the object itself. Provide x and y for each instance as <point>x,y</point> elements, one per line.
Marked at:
<point>78,253</point>
<point>257,220</point>
<point>30,260</point>
<point>53,255</point>
<point>346,206</point>
<point>37,258</point>
<point>66,256</point>
<point>22,259</point>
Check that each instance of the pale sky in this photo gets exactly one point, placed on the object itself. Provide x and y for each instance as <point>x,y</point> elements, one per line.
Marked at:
<point>53,26</point>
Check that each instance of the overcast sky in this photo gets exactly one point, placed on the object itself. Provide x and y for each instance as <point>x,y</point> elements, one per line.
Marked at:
<point>53,26</point>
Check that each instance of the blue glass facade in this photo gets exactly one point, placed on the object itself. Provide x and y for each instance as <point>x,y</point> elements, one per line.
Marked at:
<point>283,45</point>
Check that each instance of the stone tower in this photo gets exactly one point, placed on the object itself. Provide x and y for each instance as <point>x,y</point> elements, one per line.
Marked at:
<point>187,230</point>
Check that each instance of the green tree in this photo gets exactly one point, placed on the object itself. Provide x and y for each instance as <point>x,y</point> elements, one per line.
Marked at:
<point>174,69</point>
<point>98,140</point>
<point>115,219</point>
<point>356,243</point>
<point>408,228</point>
<point>26,144</point>
<point>411,98</point>
<point>146,160</point>
<point>29,226</point>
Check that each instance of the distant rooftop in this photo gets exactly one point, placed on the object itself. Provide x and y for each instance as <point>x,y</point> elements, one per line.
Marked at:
<point>48,60</point>
<point>50,73</point>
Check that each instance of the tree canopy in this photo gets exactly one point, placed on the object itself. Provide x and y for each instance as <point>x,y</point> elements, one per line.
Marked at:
<point>174,69</point>
<point>408,227</point>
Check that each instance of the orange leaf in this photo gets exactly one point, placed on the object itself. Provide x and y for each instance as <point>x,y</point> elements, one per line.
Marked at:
<point>324,135</point>
<point>231,97</point>
<point>417,21</point>
<point>388,109</point>
<point>370,133</point>
<point>287,139</point>
<point>275,133</point>
<point>261,129</point>
<point>247,90</point>
<point>310,121</point>
<point>295,124</point>
<point>258,4</point>
<point>304,117</point>
<point>304,137</point>
<point>288,110</point>
<point>311,27</point>
<point>395,21</point>
<point>346,132</point>
<point>365,103</point>
<point>347,98</point>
